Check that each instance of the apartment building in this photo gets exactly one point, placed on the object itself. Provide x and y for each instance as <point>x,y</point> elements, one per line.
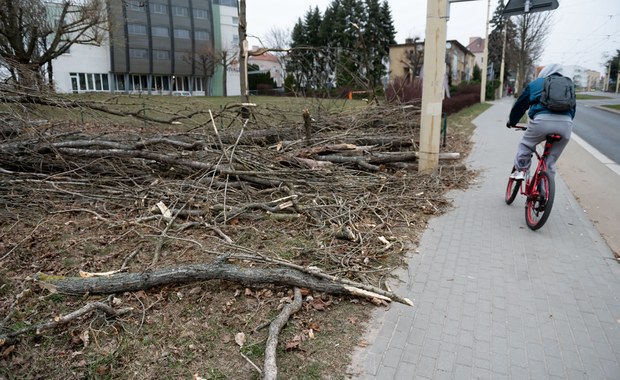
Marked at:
<point>157,47</point>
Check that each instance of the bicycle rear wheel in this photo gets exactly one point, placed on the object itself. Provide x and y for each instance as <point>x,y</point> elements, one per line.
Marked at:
<point>540,202</point>
<point>512,189</point>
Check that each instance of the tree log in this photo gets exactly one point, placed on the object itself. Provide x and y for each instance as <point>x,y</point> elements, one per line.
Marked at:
<point>131,282</point>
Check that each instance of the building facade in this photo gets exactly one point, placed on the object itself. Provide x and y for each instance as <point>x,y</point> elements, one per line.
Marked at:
<point>406,61</point>
<point>157,47</point>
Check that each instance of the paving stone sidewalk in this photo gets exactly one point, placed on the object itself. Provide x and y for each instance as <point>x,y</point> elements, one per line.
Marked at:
<point>495,300</point>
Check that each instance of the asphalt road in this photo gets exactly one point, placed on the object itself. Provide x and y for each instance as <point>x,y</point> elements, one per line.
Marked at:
<point>594,180</point>
<point>598,127</point>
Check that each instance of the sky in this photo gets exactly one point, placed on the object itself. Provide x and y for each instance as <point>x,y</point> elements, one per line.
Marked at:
<point>581,33</point>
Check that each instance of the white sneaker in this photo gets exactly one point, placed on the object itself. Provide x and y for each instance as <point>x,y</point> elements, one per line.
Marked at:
<point>518,175</point>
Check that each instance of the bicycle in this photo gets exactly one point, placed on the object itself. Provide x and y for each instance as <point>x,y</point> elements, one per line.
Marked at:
<point>539,188</point>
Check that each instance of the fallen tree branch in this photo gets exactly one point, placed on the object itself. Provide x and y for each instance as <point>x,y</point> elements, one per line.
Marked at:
<point>360,288</point>
<point>270,369</point>
<point>57,321</point>
<point>130,282</point>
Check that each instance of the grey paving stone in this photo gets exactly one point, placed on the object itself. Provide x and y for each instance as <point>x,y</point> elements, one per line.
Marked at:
<point>496,300</point>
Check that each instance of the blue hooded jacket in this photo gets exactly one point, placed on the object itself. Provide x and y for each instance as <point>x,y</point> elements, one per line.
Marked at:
<point>530,97</point>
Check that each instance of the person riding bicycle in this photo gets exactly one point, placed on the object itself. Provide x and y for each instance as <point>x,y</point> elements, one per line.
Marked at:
<point>542,121</point>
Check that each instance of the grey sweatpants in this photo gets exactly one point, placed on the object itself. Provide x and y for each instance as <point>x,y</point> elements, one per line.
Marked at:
<point>537,130</point>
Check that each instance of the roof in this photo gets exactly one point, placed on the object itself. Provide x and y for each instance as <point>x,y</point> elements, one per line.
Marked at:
<point>476,45</point>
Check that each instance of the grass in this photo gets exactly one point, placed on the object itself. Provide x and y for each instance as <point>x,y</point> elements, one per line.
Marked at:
<point>165,107</point>
<point>612,106</point>
<point>590,97</point>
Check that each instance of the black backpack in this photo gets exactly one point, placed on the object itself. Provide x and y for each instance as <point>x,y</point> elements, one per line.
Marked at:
<point>558,94</point>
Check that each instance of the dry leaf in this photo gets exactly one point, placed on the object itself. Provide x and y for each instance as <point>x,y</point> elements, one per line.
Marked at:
<point>240,339</point>
<point>226,338</point>
<point>314,326</point>
<point>363,343</point>
<point>7,351</point>
<point>293,344</point>
<point>311,334</point>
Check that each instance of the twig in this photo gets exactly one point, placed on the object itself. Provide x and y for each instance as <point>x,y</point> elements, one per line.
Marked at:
<point>260,371</point>
<point>57,321</point>
<point>24,239</point>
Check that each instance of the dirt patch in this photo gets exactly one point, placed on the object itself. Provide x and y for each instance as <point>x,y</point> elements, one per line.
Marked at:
<point>100,219</point>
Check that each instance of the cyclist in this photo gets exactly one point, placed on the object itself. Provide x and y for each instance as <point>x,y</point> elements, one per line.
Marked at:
<point>542,122</point>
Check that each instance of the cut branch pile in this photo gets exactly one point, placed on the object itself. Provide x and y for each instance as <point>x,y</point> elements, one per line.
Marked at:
<point>327,202</point>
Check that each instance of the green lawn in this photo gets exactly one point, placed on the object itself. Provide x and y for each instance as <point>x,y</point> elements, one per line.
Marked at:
<point>613,106</point>
<point>590,97</point>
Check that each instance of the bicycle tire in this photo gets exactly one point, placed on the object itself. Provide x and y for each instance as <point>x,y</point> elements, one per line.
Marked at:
<point>512,189</point>
<point>539,205</point>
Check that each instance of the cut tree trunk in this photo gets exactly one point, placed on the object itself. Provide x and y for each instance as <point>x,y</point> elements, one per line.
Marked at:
<point>251,277</point>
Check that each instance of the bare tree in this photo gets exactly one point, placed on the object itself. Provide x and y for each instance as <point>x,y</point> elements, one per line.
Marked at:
<point>532,30</point>
<point>34,32</point>
<point>243,53</point>
<point>413,59</point>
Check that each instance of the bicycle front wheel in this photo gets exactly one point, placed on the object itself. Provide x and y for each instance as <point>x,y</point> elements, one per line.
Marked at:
<point>540,202</point>
<point>512,189</point>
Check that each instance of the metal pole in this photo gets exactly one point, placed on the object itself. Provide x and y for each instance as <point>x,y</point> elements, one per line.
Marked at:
<point>433,83</point>
<point>485,55</point>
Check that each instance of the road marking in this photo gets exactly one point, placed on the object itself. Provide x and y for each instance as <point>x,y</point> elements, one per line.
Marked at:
<point>598,155</point>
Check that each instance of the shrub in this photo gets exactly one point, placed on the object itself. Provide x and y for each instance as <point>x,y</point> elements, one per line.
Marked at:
<point>404,90</point>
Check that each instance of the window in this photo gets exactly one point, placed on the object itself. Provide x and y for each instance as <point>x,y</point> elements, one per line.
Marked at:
<point>138,53</point>
<point>139,82</point>
<point>160,83</point>
<point>201,14</point>
<point>89,82</point>
<point>229,3</point>
<point>181,33</point>
<point>137,6</point>
<point>161,54</point>
<point>198,84</point>
<point>160,31</point>
<point>136,29</point>
<point>82,79</point>
<point>235,20</point>
<point>201,35</point>
<point>181,11</point>
<point>160,9</point>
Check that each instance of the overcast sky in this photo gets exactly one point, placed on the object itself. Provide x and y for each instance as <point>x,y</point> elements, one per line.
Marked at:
<point>582,32</point>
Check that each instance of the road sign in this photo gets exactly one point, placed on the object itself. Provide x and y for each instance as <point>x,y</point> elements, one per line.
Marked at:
<point>518,7</point>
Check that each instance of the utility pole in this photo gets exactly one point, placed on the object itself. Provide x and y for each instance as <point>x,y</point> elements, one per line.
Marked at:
<point>485,55</point>
<point>617,75</point>
<point>433,83</point>
<point>501,70</point>
<point>606,87</point>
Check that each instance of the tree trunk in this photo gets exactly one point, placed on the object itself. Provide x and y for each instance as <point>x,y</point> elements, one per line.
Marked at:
<point>217,270</point>
<point>243,54</point>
